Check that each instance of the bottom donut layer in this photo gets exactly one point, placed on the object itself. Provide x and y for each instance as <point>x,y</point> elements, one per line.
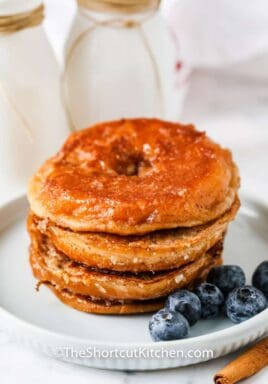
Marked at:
<point>105,307</point>
<point>119,307</point>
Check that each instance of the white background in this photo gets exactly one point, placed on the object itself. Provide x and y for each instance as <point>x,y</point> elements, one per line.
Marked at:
<point>233,110</point>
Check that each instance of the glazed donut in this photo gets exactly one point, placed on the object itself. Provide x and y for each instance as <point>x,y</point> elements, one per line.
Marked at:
<point>133,177</point>
<point>105,307</point>
<point>155,251</point>
<point>48,264</point>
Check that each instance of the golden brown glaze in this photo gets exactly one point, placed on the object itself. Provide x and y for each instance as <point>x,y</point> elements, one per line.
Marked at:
<point>135,176</point>
<point>49,264</point>
<point>166,249</point>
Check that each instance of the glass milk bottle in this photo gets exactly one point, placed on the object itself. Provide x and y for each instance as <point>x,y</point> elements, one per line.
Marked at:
<point>120,62</point>
<point>33,122</point>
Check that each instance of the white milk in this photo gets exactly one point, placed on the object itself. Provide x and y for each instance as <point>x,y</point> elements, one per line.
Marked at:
<point>33,123</point>
<point>116,72</point>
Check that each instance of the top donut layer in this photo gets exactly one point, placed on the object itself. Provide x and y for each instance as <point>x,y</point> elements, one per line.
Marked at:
<point>133,177</point>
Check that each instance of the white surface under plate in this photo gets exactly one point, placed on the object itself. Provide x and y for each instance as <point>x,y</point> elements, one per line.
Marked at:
<point>40,320</point>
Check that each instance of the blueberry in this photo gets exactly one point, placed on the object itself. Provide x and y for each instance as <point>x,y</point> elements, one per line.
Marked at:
<point>168,325</point>
<point>260,278</point>
<point>211,300</point>
<point>187,303</point>
<point>244,302</point>
<point>227,277</point>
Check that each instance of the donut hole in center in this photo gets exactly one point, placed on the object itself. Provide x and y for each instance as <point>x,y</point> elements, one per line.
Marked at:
<point>133,165</point>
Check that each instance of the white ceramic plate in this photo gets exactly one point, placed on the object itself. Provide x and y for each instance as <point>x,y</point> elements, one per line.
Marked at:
<point>119,342</point>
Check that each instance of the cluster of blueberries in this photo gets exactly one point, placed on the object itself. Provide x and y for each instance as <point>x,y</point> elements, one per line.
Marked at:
<point>225,291</point>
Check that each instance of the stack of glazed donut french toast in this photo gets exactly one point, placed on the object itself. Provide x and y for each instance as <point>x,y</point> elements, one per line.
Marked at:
<point>128,212</point>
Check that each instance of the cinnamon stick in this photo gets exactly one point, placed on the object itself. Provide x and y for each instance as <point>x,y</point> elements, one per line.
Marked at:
<point>245,365</point>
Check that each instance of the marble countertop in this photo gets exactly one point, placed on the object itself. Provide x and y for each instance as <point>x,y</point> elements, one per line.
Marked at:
<point>234,111</point>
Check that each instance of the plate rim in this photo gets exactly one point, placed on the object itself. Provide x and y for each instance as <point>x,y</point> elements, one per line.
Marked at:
<point>235,330</point>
